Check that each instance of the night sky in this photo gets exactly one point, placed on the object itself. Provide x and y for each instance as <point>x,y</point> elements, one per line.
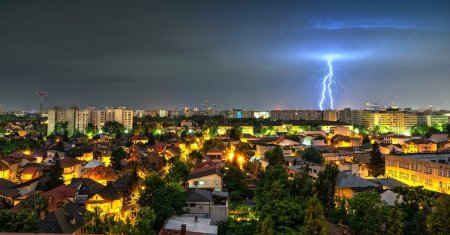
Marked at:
<point>254,55</point>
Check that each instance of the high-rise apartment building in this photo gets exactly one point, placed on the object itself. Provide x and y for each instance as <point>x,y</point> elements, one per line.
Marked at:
<point>76,119</point>
<point>350,116</point>
<point>391,120</point>
<point>296,115</point>
<point>435,120</point>
<point>79,119</point>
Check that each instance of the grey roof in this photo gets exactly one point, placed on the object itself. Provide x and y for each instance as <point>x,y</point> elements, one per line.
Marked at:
<point>7,189</point>
<point>66,219</point>
<point>198,195</point>
<point>109,192</point>
<point>346,180</point>
<point>201,226</point>
<point>388,182</point>
<point>86,186</point>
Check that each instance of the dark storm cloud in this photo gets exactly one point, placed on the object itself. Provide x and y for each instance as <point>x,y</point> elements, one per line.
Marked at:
<point>253,54</point>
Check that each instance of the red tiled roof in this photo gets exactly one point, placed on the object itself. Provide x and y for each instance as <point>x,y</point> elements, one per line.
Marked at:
<point>101,173</point>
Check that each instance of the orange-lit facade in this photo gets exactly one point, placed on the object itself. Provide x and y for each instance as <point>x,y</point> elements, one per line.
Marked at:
<point>432,171</point>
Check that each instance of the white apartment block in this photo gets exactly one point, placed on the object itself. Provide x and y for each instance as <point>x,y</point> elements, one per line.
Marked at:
<point>79,119</point>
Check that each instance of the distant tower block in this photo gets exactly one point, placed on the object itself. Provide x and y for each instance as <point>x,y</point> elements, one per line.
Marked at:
<point>41,95</point>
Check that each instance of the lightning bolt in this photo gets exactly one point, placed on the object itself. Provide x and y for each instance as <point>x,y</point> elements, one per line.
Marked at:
<point>327,82</point>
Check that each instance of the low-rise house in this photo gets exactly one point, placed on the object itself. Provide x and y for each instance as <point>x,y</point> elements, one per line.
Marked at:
<point>67,219</point>
<point>348,185</point>
<point>30,172</point>
<point>108,201</point>
<point>188,225</point>
<point>207,176</point>
<point>139,139</point>
<point>420,146</point>
<point>207,204</point>
<point>5,172</point>
<point>101,174</point>
<point>7,192</point>
<point>72,169</point>
<point>214,155</point>
<point>59,196</point>
<point>390,148</point>
<point>92,164</point>
<point>86,188</point>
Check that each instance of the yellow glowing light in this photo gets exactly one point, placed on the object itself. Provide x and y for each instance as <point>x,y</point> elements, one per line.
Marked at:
<point>231,156</point>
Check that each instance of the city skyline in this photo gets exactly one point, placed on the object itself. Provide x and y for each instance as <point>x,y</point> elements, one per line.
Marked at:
<point>238,55</point>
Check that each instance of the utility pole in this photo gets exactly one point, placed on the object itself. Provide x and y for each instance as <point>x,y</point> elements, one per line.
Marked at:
<point>41,95</point>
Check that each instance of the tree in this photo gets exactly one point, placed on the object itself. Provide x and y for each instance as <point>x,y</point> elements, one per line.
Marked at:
<point>273,184</point>
<point>22,221</point>
<point>178,173</point>
<point>302,185</point>
<point>164,198</point>
<point>312,155</point>
<point>235,179</point>
<point>196,156</point>
<point>367,213</point>
<point>54,177</point>
<point>235,133</point>
<point>131,186</point>
<point>416,205</point>
<point>395,221</point>
<point>376,164</point>
<point>113,127</point>
<point>145,220</point>
<point>117,156</point>
<point>275,156</point>
<point>314,222</point>
<point>326,185</point>
<point>286,214</point>
<point>438,221</point>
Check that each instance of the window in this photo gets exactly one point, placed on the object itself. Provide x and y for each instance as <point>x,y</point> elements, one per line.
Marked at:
<point>201,182</point>
<point>192,204</point>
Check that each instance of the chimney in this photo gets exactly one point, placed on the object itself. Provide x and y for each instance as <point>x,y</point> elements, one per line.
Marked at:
<point>183,229</point>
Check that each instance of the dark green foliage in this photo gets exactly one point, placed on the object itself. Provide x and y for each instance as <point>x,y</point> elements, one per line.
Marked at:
<point>314,223</point>
<point>212,144</point>
<point>10,146</point>
<point>395,222</point>
<point>22,221</point>
<point>416,205</point>
<point>54,177</point>
<point>438,221</point>
<point>178,173</point>
<point>117,156</point>
<point>131,186</point>
<point>235,180</point>
<point>326,185</point>
<point>164,198</point>
<point>232,227</point>
<point>195,156</point>
<point>235,133</point>
<point>113,128</point>
<point>376,164</point>
<point>273,185</point>
<point>367,213</point>
<point>145,220</point>
<point>286,214</point>
<point>275,156</point>
<point>302,186</point>
<point>312,155</point>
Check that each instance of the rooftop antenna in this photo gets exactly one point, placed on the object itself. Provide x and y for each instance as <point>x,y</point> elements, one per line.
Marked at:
<point>41,95</point>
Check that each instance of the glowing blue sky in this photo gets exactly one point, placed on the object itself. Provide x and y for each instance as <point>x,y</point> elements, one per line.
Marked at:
<point>254,55</point>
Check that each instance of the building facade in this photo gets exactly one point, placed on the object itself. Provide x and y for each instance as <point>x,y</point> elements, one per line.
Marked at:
<point>392,120</point>
<point>432,171</point>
